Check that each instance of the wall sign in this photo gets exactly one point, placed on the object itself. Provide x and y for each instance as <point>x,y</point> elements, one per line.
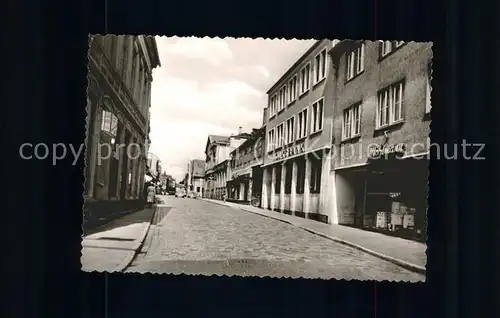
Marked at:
<point>291,151</point>
<point>377,151</point>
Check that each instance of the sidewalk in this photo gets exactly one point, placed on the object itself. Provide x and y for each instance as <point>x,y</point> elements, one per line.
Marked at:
<point>406,253</point>
<point>115,245</point>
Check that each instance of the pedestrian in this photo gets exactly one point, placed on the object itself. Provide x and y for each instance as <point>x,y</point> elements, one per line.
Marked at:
<point>224,197</point>
<point>151,195</point>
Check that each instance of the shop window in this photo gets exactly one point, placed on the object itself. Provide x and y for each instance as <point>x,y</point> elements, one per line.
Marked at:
<point>277,186</point>
<point>355,62</point>
<point>301,176</point>
<point>315,185</point>
<point>390,106</point>
<point>288,179</point>
<point>101,171</point>
<point>109,123</point>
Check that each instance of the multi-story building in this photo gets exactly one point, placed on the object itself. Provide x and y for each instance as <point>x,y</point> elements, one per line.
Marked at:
<point>245,182</point>
<point>296,177</point>
<point>167,182</point>
<point>382,114</point>
<point>153,165</point>
<point>118,102</point>
<point>196,175</point>
<point>217,151</point>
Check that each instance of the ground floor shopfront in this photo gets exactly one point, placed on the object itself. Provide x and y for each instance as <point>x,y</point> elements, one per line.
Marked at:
<point>385,195</point>
<point>246,187</point>
<point>300,186</point>
<point>115,166</point>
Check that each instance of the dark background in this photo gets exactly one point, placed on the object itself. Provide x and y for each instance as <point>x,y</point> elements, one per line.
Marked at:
<point>46,47</point>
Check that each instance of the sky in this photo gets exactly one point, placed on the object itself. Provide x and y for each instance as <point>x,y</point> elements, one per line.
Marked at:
<point>211,86</point>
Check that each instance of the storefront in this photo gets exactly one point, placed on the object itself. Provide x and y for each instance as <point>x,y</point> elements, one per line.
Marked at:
<point>298,185</point>
<point>388,194</point>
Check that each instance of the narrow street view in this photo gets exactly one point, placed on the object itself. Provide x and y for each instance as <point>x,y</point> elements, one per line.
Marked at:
<point>299,158</point>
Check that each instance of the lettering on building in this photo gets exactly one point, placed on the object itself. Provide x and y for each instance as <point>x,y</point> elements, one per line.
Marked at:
<point>291,151</point>
<point>378,150</point>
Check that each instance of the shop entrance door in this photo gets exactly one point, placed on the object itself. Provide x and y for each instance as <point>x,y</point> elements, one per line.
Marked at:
<point>381,190</point>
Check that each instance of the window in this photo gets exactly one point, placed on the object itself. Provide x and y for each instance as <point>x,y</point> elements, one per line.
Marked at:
<point>390,106</point>
<point>282,98</point>
<point>273,104</point>
<point>290,129</point>
<point>271,141</point>
<point>277,187</point>
<point>352,122</point>
<point>280,135</point>
<point>288,179</point>
<point>305,80</point>
<point>317,116</point>
<point>301,175</point>
<point>302,124</point>
<point>292,89</point>
<point>387,47</point>
<point>356,61</point>
<point>315,185</point>
<point>320,66</point>
<point>428,89</point>
<point>109,123</point>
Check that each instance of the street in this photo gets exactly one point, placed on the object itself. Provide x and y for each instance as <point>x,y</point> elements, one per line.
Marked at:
<point>189,236</point>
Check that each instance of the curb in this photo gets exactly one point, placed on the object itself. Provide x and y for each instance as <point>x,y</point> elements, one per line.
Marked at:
<point>407,265</point>
<point>131,255</point>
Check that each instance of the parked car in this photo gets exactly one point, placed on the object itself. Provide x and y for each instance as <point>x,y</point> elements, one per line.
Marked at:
<point>180,193</point>
<point>192,195</point>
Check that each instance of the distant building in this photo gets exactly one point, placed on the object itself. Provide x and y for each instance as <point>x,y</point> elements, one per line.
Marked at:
<point>154,166</point>
<point>167,181</point>
<point>245,181</point>
<point>217,151</point>
<point>196,175</point>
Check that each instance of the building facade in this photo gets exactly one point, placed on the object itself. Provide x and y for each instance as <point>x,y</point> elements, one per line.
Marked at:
<point>381,130</point>
<point>196,176</point>
<point>299,119</point>
<point>154,168</point>
<point>217,152</point>
<point>118,102</point>
<point>245,182</point>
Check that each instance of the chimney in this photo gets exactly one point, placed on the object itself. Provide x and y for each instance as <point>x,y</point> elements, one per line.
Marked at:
<point>240,130</point>
<point>264,116</point>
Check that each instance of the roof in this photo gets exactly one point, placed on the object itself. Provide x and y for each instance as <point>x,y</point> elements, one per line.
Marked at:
<point>218,138</point>
<point>256,132</point>
<point>294,65</point>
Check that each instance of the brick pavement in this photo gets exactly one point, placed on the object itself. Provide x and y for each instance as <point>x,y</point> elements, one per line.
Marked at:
<point>197,237</point>
<point>406,252</point>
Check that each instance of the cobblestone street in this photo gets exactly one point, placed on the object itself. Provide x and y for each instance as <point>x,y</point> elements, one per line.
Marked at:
<point>198,237</point>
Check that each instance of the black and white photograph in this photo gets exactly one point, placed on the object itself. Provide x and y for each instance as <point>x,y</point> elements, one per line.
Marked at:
<point>257,157</point>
